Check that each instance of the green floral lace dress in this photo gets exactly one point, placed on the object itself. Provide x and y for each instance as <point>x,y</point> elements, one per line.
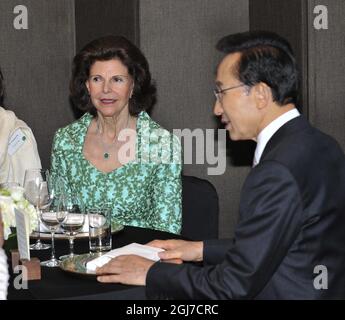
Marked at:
<point>145,192</point>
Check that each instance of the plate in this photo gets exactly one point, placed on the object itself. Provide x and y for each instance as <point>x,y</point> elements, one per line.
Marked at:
<point>115,227</point>
<point>77,264</point>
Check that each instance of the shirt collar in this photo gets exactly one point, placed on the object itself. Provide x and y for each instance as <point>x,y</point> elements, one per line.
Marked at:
<point>266,134</point>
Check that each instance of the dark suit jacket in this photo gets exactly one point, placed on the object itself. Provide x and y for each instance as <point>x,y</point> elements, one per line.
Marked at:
<point>292,220</point>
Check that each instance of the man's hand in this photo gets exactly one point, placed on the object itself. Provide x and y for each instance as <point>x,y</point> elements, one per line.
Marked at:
<point>1,232</point>
<point>179,250</point>
<point>126,269</point>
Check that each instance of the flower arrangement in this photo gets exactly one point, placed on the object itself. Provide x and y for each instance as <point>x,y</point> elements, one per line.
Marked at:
<point>11,198</point>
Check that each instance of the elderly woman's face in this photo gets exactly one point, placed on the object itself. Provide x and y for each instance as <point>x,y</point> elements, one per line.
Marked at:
<point>110,87</point>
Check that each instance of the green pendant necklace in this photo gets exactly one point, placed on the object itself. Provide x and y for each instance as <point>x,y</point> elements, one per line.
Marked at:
<point>106,153</point>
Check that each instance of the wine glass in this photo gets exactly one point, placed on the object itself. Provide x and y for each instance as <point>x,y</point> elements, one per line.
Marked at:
<point>73,221</point>
<point>34,182</point>
<point>9,185</point>
<point>51,215</point>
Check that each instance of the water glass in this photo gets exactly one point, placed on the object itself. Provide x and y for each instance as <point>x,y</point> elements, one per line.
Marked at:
<point>99,229</point>
<point>51,216</point>
<point>74,220</point>
<point>9,185</point>
<point>36,183</point>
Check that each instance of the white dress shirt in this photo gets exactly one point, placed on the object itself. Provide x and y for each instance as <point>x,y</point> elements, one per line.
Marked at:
<point>266,134</point>
<point>3,275</point>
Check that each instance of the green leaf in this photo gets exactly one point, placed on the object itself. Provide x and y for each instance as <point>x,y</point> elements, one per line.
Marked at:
<point>5,192</point>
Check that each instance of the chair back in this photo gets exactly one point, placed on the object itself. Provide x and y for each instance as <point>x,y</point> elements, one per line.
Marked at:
<point>199,209</point>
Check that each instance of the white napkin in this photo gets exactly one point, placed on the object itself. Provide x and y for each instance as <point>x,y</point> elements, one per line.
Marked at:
<point>133,248</point>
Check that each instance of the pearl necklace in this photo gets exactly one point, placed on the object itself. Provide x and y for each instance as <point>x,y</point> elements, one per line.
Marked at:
<point>106,153</point>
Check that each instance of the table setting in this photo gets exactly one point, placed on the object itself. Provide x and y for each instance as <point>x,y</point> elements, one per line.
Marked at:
<point>75,282</point>
<point>71,240</point>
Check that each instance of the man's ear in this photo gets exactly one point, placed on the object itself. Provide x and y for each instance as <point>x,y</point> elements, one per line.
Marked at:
<point>262,95</point>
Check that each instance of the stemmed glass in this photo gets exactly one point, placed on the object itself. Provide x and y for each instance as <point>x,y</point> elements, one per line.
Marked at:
<point>34,180</point>
<point>74,220</point>
<point>52,215</point>
<point>9,185</point>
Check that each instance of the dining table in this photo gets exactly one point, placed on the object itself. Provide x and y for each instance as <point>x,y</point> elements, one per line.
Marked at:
<point>56,283</point>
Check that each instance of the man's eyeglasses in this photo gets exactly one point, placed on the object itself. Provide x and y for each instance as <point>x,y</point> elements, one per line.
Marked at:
<point>218,92</point>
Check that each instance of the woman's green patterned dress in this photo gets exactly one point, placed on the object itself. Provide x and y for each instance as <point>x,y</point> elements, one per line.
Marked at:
<point>145,192</point>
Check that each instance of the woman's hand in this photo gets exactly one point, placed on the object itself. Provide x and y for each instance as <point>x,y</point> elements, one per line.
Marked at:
<point>177,250</point>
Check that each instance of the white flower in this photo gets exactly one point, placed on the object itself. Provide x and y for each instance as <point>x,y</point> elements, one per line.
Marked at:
<point>14,198</point>
<point>17,194</point>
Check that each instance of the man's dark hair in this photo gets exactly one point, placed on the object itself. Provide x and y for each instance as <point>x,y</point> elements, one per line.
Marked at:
<point>108,48</point>
<point>265,57</point>
<point>1,88</point>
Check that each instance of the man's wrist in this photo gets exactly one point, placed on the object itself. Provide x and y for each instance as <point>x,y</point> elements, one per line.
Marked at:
<point>200,249</point>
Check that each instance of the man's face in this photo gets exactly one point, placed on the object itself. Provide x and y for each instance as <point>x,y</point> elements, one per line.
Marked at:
<point>237,106</point>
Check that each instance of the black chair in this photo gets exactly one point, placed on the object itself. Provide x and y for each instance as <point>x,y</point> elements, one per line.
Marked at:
<point>199,209</point>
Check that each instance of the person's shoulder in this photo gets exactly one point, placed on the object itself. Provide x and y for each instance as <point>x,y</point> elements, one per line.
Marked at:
<point>7,116</point>
<point>156,131</point>
<point>160,140</point>
<point>72,133</point>
<point>307,145</point>
<point>4,112</point>
<point>306,153</point>
<point>75,127</point>
<point>321,138</point>
<point>146,122</point>
<point>9,123</point>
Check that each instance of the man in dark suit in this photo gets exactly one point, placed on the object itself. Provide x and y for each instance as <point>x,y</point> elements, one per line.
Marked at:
<point>290,241</point>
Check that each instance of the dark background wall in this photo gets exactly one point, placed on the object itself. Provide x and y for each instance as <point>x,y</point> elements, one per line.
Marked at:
<point>320,53</point>
<point>94,19</point>
<point>290,21</point>
<point>178,38</point>
<point>326,70</point>
<point>36,66</point>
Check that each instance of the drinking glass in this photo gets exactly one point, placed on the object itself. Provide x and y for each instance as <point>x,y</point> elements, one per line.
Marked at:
<point>9,185</point>
<point>99,229</point>
<point>73,221</point>
<point>51,215</point>
<point>36,188</point>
